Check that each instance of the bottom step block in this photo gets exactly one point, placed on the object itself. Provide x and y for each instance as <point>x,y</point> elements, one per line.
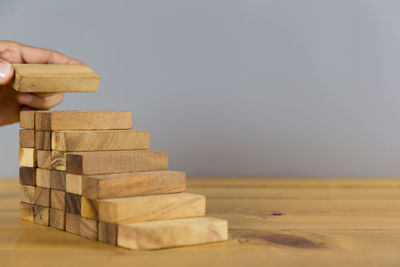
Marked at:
<point>172,233</point>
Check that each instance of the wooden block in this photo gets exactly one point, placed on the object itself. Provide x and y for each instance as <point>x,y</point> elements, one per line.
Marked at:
<point>73,223</point>
<point>26,211</point>
<point>43,140</point>
<point>57,199</point>
<point>27,138</point>
<point>52,78</point>
<point>107,233</point>
<point>42,196</point>
<point>89,208</point>
<point>27,194</point>
<point>27,157</point>
<point>27,119</point>
<point>41,215</point>
<point>132,184</point>
<point>57,219</point>
<point>83,120</point>
<point>73,183</point>
<point>103,162</point>
<point>59,160</point>
<point>151,208</point>
<point>57,180</point>
<point>27,176</point>
<point>106,140</point>
<point>43,178</point>
<point>73,203</point>
<point>43,159</point>
<point>88,228</point>
<point>173,233</point>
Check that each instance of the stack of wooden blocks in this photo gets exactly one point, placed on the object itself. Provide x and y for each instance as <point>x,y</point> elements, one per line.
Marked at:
<point>90,174</point>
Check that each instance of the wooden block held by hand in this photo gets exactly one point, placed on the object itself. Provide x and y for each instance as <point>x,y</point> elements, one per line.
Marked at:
<point>73,223</point>
<point>27,157</point>
<point>26,211</point>
<point>27,193</point>
<point>42,196</point>
<point>102,162</point>
<point>27,176</point>
<point>57,199</point>
<point>43,140</point>
<point>54,78</point>
<point>57,219</point>
<point>27,138</point>
<point>132,184</point>
<point>88,228</point>
<point>42,215</point>
<point>83,120</point>
<point>172,233</point>
<point>151,208</point>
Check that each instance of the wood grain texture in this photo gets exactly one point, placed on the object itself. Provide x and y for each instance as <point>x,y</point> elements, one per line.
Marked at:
<point>132,184</point>
<point>73,203</point>
<point>57,199</point>
<point>41,215</point>
<point>103,162</point>
<point>173,233</point>
<point>43,140</point>
<point>88,228</point>
<point>53,78</point>
<point>43,177</point>
<point>89,208</point>
<point>73,223</point>
<point>59,160</point>
<point>151,208</point>
<point>57,180</point>
<point>83,120</point>
<point>27,138</point>
<point>73,183</point>
<point>57,219</point>
<point>107,232</point>
<point>26,211</point>
<point>27,194</point>
<point>42,196</point>
<point>43,159</point>
<point>27,176</point>
<point>27,119</point>
<point>104,140</point>
<point>27,157</point>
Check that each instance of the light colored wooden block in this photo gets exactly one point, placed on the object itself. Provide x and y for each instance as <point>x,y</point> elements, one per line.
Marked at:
<point>73,223</point>
<point>89,208</point>
<point>132,184</point>
<point>151,208</point>
<point>42,196</point>
<point>27,176</point>
<point>27,193</point>
<point>57,219</point>
<point>57,199</point>
<point>26,211</point>
<point>107,232</point>
<point>83,120</point>
<point>41,215</point>
<point>88,228</point>
<point>27,138</point>
<point>73,203</point>
<point>43,159</point>
<point>43,140</point>
<point>52,78</point>
<point>73,183</point>
<point>105,140</point>
<point>27,157</point>
<point>27,119</point>
<point>57,180</point>
<point>103,162</point>
<point>173,233</point>
<point>43,178</point>
<point>59,160</point>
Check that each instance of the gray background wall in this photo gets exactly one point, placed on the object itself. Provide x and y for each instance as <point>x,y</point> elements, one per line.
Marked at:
<point>243,88</point>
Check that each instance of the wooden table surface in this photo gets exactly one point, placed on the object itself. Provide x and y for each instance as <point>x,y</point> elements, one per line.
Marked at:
<point>272,222</point>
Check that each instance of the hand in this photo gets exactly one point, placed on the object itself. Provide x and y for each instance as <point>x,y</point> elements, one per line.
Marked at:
<point>11,101</point>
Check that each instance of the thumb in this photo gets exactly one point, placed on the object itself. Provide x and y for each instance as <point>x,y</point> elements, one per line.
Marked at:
<point>6,72</point>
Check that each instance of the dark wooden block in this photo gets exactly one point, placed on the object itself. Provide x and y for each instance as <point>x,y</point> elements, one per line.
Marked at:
<point>27,176</point>
<point>57,180</point>
<point>107,233</point>
<point>73,203</point>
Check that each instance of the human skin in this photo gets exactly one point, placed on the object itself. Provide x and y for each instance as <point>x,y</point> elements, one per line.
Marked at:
<point>11,101</point>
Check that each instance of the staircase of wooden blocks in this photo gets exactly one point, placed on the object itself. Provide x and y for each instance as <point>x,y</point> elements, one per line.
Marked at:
<point>88,173</point>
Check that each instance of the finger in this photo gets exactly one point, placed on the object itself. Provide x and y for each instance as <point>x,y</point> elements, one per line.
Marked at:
<point>35,55</point>
<point>6,72</point>
<point>40,102</point>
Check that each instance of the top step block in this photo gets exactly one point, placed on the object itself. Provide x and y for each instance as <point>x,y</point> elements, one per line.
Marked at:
<point>82,120</point>
<point>51,78</point>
